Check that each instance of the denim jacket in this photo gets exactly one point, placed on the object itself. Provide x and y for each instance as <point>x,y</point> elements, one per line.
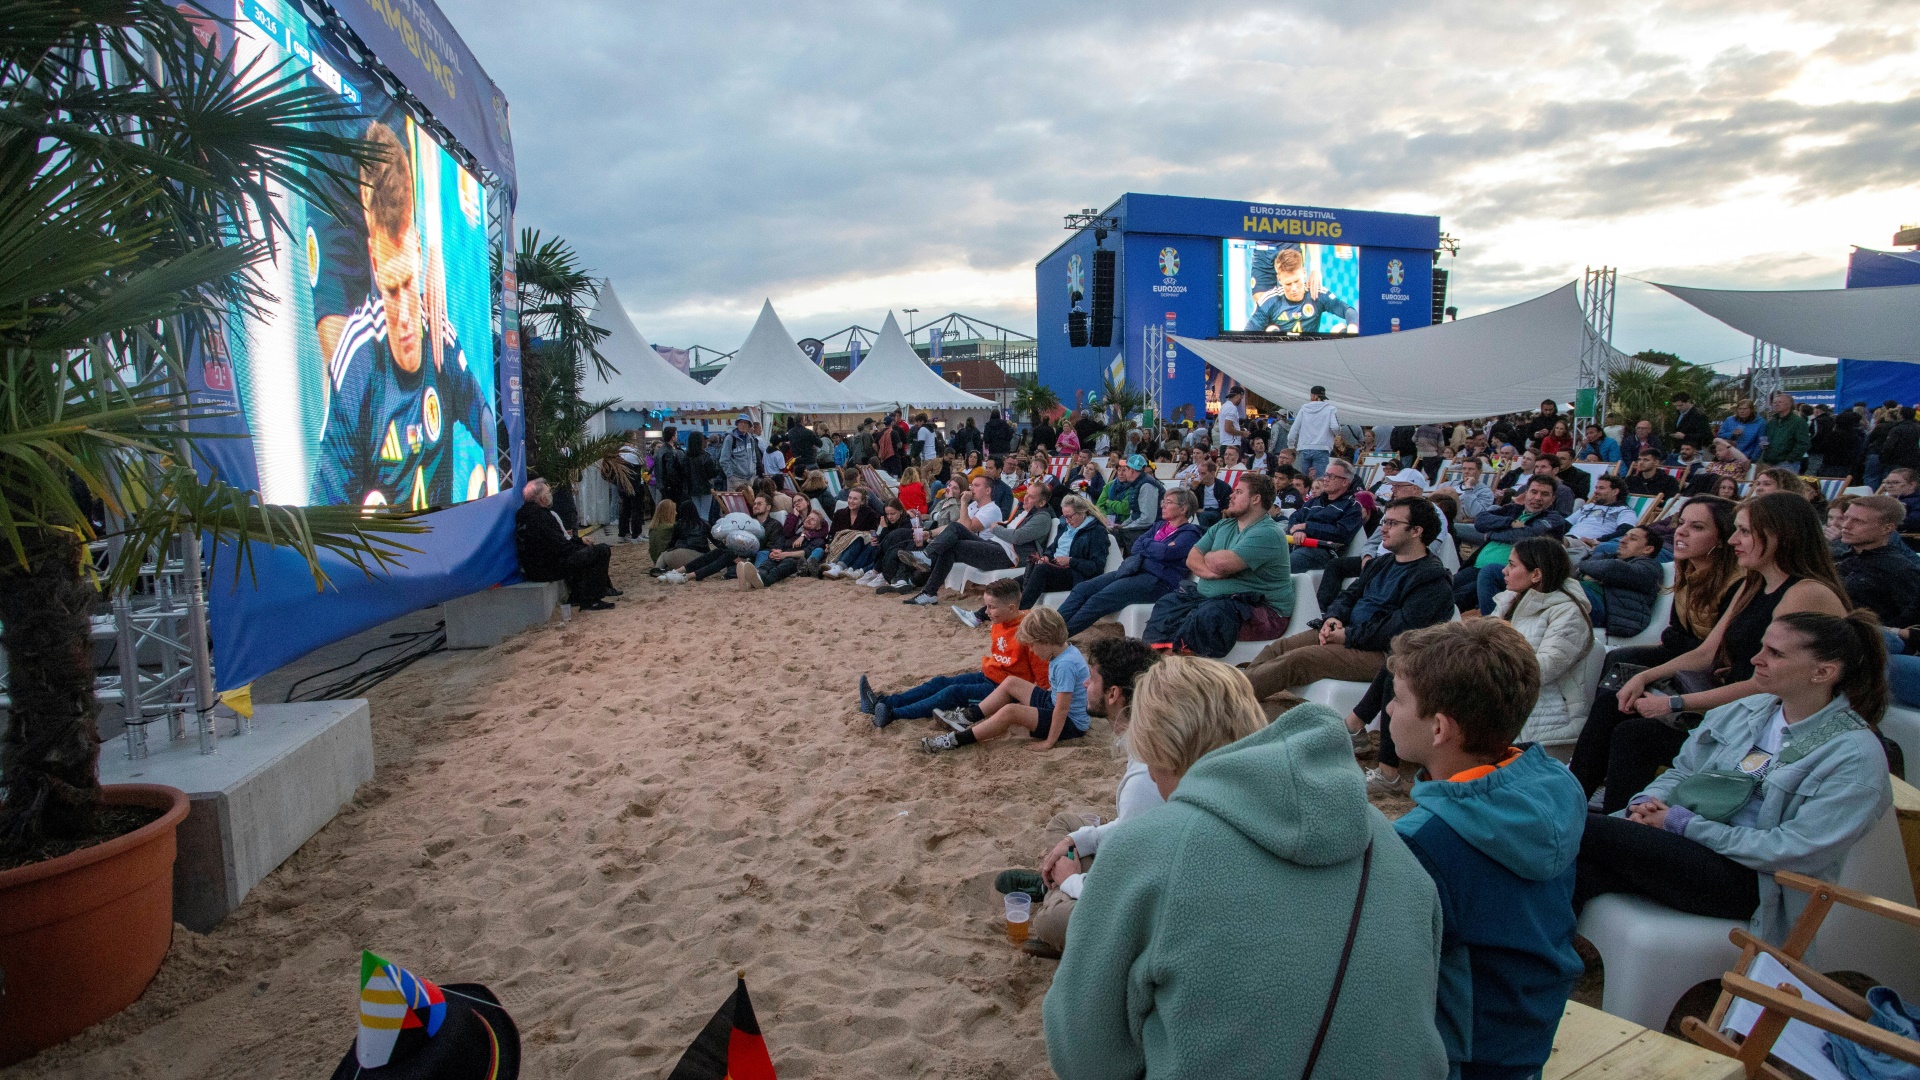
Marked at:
<point>1812,810</point>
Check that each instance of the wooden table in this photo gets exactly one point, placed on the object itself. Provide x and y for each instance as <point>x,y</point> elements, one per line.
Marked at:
<point>1592,1044</point>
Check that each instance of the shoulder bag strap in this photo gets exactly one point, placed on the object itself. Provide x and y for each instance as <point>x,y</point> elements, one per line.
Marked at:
<point>1340,973</point>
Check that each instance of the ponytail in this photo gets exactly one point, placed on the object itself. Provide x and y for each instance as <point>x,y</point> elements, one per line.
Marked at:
<point>1854,642</point>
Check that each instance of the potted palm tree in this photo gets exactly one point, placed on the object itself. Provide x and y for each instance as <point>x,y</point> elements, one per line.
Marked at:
<point>129,148</point>
<point>559,342</point>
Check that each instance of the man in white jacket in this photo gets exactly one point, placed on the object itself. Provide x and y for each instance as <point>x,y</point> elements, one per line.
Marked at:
<point>1114,664</point>
<point>1312,433</point>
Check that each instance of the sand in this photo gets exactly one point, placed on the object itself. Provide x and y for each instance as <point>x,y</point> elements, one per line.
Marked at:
<point>602,821</point>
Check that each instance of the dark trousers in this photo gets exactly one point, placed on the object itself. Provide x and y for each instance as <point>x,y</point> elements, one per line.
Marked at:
<point>774,571</point>
<point>956,545</point>
<point>1335,578</point>
<point>713,562</point>
<point>1623,752</point>
<point>1098,597</point>
<point>584,569</point>
<point>939,692</point>
<point>1303,559</point>
<point>1621,856</point>
<point>1372,704</point>
<point>1205,625</point>
<point>1043,578</point>
<point>892,546</point>
<point>634,509</point>
<point>1476,586</point>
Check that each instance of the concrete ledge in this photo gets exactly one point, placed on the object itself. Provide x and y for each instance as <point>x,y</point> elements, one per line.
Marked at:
<point>256,800</point>
<point>484,619</point>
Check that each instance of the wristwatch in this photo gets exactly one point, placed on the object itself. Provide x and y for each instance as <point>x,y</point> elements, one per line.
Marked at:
<point>1677,704</point>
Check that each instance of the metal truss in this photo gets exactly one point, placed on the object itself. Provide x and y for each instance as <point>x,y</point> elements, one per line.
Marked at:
<point>1597,347</point>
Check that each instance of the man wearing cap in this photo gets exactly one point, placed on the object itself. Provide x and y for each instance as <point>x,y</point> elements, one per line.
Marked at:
<point>1313,430</point>
<point>739,452</point>
<point>1324,527</point>
<point>1405,484</point>
<point>1143,492</point>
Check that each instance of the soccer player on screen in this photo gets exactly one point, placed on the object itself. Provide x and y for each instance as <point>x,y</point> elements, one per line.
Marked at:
<point>389,438</point>
<point>1297,305</point>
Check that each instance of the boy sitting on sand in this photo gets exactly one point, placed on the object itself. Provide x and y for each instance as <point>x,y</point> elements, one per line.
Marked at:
<point>1497,829</point>
<point>1006,658</point>
<point>1047,715</point>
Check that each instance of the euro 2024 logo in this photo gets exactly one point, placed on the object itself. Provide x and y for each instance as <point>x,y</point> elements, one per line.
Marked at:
<point>1076,276</point>
<point>1169,263</point>
<point>1396,272</point>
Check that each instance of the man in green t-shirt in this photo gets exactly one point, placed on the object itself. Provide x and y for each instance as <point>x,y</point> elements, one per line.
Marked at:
<point>1240,564</point>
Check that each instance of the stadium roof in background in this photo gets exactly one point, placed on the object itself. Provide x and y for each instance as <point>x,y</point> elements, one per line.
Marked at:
<point>894,373</point>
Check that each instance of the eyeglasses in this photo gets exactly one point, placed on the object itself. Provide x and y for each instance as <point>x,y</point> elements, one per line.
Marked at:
<point>1397,522</point>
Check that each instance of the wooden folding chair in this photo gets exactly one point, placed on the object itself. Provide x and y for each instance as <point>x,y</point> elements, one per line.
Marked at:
<point>1782,1003</point>
<point>732,502</point>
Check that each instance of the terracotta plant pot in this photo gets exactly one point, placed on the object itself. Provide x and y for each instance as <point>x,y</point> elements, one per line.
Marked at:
<point>82,935</point>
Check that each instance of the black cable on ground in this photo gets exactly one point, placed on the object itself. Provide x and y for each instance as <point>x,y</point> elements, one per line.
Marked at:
<point>415,645</point>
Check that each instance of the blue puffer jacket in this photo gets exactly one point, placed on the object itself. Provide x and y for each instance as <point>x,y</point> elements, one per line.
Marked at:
<point>1164,559</point>
<point>1632,585</point>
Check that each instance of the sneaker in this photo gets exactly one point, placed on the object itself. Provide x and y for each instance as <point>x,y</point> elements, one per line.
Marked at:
<point>1361,743</point>
<point>1022,880</point>
<point>872,578</point>
<point>920,557</point>
<point>953,718</point>
<point>1033,946</point>
<point>887,589</point>
<point>597,605</point>
<point>746,575</point>
<point>967,618</point>
<point>675,577</point>
<point>831,570</point>
<point>882,716</point>
<point>1378,784</point>
<point>867,696</point>
<point>933,744</point>
<point>615,592</point>
<point>923,600</point>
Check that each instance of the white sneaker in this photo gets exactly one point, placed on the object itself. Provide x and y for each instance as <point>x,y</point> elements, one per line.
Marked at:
<point>675,577</point>
<point>967,618</point>
<point>874,579</point>
<point>1378,784</point>
<point>832,570</point>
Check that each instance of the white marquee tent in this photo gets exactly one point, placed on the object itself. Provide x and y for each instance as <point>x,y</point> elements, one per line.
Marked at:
<point>895,374</point>
<point>1858,324</point>
<point>770,372</point>
<point>1505,361</point>
<point>642,379</point>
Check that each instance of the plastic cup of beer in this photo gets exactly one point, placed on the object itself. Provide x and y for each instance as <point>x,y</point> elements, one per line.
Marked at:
<point>1019,916</point>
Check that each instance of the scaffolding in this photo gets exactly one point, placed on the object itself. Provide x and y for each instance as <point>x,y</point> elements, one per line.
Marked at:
<point>1763,373</point>
<point>1155,347</point>
<point>1597,348</point>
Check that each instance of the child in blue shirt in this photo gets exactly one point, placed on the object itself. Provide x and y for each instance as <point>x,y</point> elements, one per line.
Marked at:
<point>1048,715</point>
<point>1498,829</point>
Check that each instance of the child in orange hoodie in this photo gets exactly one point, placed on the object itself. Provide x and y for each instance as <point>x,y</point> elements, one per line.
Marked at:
<point>1007,655</point>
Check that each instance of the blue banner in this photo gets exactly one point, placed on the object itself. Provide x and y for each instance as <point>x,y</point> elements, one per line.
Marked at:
<point>417,43</point>
<point>1874,381</point>
<point>1275,221</point>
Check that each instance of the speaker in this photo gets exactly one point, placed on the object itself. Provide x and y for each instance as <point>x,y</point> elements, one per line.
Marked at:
<point>1077,328</point>
<point>1100,322</point>
<point>1439,296</point>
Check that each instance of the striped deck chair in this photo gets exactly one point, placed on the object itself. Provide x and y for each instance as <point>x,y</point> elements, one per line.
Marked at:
<point>1232,476</point>
<point>1746,489</point>
<point>1641,504</point>
<point>1671,507</point>
<point>732,502</point>
<point>1830,486</point>
<point>1058,467</point>
<point>1165,470</point>
<point>877,481</point>
<point>834,487</point>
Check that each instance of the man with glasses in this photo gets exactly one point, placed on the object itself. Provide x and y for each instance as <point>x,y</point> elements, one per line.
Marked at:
<point>1405,592</point>
<point>1322,529</point>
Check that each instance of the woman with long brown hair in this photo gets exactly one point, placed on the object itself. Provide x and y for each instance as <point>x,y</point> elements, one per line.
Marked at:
<point>1783,550</point>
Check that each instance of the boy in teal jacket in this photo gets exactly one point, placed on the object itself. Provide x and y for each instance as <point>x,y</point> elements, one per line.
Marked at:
<point>1499,831</point>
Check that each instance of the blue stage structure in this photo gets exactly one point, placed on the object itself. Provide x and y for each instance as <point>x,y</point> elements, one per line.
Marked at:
<point>1876,381</point>
<point>336,409</point>
<point>1206,267</point>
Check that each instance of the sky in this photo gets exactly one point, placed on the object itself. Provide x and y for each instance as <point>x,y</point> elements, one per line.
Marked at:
<point>843,159</point>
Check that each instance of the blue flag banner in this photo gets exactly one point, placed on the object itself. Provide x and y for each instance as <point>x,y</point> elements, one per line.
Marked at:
<point>417,43</point>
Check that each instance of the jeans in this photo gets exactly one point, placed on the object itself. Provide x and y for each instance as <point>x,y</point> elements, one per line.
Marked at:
<point>703,505</point>
<point>1312,462</point>
<point>1096,598</point>
<point>1303,559</point>
<point>1903,672</point>
<point>1476,586</point>
<point>939,692</point>
<point>860,555</point>
<point>1597,596</point>
<point>1335,579</point>
<point>1621,856</point>
<point>1876,472</point>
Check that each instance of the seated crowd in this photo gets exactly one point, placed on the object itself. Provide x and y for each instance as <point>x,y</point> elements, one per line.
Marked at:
<point>1475,591</point>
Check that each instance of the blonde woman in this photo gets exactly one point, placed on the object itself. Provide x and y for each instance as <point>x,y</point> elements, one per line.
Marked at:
<point>1228,916</point>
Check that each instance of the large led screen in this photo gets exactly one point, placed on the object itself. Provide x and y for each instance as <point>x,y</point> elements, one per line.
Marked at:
<point>370,378</point>
<point>1289,288</point>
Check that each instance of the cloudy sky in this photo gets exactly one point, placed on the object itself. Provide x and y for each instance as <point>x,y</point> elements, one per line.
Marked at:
<point>850,157</point>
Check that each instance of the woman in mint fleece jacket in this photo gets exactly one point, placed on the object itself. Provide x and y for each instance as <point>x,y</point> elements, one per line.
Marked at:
<point>1205,942</point>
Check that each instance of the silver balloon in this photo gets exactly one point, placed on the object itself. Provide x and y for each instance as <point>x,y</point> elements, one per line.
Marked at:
<point>742,543</point>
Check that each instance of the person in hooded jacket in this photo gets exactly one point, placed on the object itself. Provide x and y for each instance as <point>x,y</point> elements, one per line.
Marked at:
<point>1498,829</point>
<point>1313,432</point>
<point>1212,938</point>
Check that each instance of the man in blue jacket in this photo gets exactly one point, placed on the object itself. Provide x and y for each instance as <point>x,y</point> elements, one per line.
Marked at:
<point>1498,830</point>
<point>1329,520</point>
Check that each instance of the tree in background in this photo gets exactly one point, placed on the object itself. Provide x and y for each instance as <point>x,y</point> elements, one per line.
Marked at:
<point>559,340</point>
<point>1033,398</point>
<point>1644,389</point>
<point>128,151</point>
<point>1122,407</point>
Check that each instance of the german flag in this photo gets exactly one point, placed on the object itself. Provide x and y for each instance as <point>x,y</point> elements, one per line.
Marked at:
<point>729,1047</point>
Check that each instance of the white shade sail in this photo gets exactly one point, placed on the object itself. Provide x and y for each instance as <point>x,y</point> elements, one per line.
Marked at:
<point>770,372</point>
<point>894,373</point>
<point>1505,361</point>
<point>641,378</point>
<point>1858,324</point>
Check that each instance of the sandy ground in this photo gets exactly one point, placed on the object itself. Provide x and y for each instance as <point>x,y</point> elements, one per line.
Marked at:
<point>603,821</point>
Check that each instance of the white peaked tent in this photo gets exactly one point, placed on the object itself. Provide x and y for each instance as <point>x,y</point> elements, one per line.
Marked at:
<point>1504,361</point>
<point>641,380</point>
<point>895,374</point>
<point>770,372</point>
<point>1859,324</point>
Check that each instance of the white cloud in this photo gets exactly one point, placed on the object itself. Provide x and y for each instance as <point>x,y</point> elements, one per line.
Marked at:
<point>848,158</point>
